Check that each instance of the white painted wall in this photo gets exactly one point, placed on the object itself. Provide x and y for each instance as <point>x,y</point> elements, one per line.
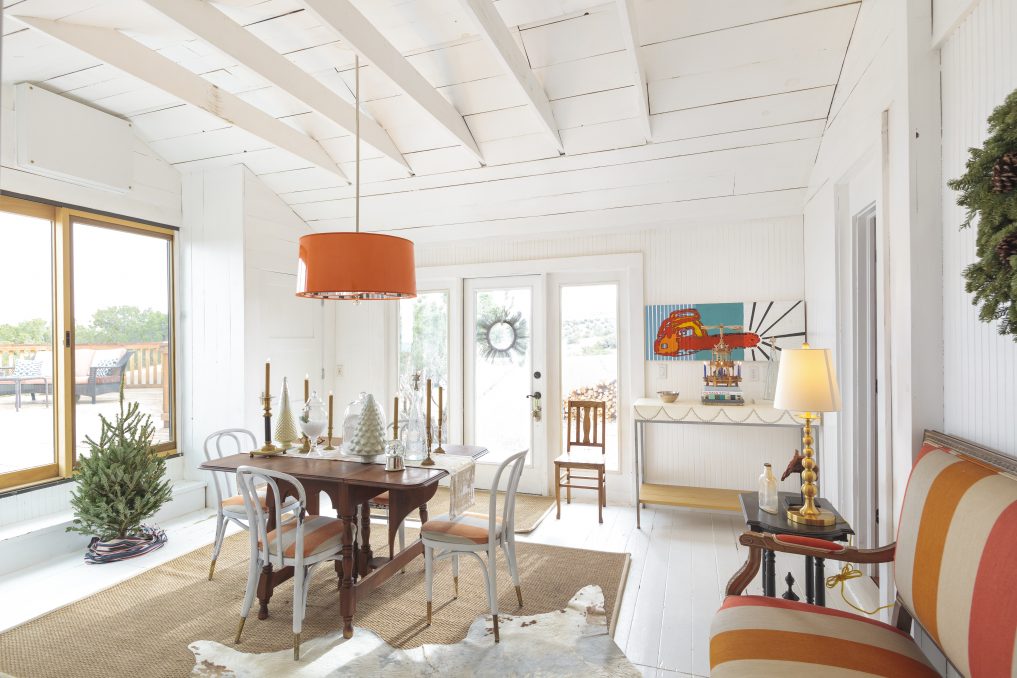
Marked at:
<point>155,185</point>
<point>764,262</point>
<point>979,70</point>
<point>237,292</point>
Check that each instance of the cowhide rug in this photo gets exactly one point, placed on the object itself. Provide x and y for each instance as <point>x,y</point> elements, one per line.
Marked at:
<point>569,642</point>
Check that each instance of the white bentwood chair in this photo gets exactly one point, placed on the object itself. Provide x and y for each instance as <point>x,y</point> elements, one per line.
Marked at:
<point>230,508</point>
<point>471,533</point>
<point>303,541</point>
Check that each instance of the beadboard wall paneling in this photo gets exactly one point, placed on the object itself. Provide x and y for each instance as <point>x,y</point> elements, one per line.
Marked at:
<point>979,62</point>
<point>762,260</point>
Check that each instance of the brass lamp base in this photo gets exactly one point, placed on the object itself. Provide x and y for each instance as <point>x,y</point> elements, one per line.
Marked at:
<point>823,518</point>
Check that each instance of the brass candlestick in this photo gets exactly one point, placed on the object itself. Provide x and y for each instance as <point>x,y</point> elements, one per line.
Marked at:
<point>440,449</point>
<point>266,403</point>
<point>328,443</point>
<point>427,460</point>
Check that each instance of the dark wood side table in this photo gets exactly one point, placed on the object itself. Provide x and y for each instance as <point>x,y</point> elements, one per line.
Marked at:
<point>761,521</point>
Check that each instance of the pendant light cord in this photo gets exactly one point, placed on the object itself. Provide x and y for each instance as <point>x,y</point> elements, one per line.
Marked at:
<point>356,66</point>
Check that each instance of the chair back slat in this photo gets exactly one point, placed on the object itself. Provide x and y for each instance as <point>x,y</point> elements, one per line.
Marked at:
<point>516,462</point>
<point>248,480</point>
<point>222,444</point>
<point>587,433</point>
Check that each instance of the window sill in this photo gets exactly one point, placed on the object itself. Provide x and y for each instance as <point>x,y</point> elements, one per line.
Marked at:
<point>53,482</point>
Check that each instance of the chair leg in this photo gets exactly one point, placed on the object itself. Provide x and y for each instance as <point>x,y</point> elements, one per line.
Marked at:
<point>253,573</point>
<point>604,494</point>
<point>402,540</point>
<point>510,555</point>
<point>428,578</point>
<point>557,490</point>
<point>568,485</point>
<point>600,495</point>
<point>455,576</point>
<point>492,588</point>
<point>220,532</point>
<point>299,576</point>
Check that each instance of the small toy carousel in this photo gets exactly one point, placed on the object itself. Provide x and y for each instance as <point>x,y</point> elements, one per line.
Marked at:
<point>722,376</point>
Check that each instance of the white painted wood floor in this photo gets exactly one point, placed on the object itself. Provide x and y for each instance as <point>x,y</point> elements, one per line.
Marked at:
<point>681,561</point>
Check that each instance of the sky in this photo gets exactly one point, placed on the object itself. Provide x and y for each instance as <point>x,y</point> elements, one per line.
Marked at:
<point>112,268</point>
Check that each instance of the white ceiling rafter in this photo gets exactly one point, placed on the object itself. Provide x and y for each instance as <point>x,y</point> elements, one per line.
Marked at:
<point>133,58</point>
<point>218,30</point>
<point>630,34</point>
<point>496,34</point>
<point>361,35</point>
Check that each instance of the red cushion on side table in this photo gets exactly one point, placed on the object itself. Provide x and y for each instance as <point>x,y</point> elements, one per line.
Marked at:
<point>809,542</point>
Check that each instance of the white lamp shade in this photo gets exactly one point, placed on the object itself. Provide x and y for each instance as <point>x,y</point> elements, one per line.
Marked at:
<point>807,381</point>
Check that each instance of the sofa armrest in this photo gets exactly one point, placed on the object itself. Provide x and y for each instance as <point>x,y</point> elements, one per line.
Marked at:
<point>802,546</point>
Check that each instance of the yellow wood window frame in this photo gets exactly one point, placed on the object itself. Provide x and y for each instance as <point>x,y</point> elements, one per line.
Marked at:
<point>62,220</point>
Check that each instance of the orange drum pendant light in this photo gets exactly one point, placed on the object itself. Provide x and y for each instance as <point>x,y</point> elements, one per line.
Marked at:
<point>353,265</point>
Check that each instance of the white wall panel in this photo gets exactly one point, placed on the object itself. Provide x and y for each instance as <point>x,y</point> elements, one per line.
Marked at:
<point>979,62</point>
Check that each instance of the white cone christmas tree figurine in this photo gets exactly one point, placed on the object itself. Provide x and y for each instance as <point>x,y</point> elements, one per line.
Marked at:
<point>285,427</point>
<point>369,435</point>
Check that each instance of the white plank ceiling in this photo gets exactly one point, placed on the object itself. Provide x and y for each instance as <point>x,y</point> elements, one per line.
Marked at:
<point>738,93</point>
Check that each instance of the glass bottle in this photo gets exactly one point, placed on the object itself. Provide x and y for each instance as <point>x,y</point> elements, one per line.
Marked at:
<point>768,490</point>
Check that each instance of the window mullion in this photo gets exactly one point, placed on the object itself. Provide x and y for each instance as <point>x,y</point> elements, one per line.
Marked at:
<point>63,397</point>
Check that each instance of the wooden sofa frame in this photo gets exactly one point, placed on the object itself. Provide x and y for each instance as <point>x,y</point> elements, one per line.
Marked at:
<point>902,617</point>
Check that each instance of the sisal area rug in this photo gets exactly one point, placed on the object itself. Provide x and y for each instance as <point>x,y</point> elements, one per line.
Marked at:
<point>143,627</point>
<point>531,509</point>
<point>573,641</point>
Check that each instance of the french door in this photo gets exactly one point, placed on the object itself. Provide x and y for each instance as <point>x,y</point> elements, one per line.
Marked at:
<point>504,375</point>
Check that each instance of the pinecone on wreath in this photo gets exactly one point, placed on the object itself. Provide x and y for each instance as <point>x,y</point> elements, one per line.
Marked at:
<point>1007,248</point>
<point>1004,173</point>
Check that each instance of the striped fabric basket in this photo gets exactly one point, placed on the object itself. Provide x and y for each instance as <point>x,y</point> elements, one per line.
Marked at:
<point>100,552</point>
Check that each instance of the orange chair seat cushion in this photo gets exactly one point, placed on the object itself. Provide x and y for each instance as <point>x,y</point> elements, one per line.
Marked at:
<point>321,534</point>
<point>235,504</point>
<point>381,499</point>
<point>762,637</point>
<point>469,528</point>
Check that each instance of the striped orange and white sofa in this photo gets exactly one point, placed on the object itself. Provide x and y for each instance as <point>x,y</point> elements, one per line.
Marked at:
<point>955,569</point>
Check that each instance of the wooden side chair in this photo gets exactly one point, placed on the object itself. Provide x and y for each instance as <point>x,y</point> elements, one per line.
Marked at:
<point>229,503</point>
<point>301,542</point>
<point>588,431</point>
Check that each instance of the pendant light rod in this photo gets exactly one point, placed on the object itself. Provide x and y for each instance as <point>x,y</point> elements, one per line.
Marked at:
<point>356,67</point>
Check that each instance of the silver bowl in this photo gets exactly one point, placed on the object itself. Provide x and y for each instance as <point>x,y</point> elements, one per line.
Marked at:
<point>668,396</point>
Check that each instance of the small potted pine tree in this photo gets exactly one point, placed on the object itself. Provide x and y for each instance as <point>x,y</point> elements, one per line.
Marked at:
<point>119,484</point>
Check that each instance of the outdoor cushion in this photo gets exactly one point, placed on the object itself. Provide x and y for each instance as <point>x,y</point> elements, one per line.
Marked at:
<point>469,528</point>
<point>762,637</point>
<point>235,504</point>
<point>321,534</point>
<point>83,362</point>
<point>27,367</point>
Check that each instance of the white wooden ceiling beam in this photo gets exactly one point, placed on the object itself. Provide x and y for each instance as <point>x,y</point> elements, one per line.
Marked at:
<point>630,34</point>
<point>362,36</point>
<point>133,58</point>
<point>496,34</point>
<point>208,23</point>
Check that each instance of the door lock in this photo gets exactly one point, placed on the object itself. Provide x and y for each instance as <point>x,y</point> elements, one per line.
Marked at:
<point>536,409</point>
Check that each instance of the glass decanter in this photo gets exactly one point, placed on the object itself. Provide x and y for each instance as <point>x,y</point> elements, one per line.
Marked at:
<point>312,420</point>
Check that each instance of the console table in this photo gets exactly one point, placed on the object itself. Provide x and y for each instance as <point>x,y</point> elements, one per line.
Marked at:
<point>647,411</point>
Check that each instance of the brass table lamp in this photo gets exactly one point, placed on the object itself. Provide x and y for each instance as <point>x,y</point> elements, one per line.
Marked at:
<point>807,383</point>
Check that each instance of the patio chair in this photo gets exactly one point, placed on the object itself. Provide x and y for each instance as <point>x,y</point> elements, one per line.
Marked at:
<point>105,371</point>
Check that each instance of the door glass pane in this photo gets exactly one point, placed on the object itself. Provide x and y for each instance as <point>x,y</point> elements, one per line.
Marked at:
<point>26,344</point>
<point>502,367</point>
<point>122,327</point>
<point>589,355</point>
<point>423,338</point>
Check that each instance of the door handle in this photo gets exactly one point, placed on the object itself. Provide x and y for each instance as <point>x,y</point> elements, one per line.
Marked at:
<point>535,409</point>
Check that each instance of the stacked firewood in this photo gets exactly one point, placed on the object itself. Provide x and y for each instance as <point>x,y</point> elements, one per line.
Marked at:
<point>606,391</point>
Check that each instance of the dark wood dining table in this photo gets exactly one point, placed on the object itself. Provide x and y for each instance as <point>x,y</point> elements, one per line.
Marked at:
<point>350,485</point>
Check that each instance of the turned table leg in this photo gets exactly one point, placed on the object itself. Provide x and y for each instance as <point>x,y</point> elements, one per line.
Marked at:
<point>264,591</point>
<point>347,594</point>
<point>365,554</point>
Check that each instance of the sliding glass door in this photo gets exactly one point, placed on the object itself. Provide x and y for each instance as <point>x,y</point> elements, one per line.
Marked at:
<point>87,310</point>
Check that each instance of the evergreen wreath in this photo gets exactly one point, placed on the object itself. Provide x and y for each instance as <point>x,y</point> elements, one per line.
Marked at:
<point>492,338</point>
<point>987,190</point>
<point>120,482</point>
